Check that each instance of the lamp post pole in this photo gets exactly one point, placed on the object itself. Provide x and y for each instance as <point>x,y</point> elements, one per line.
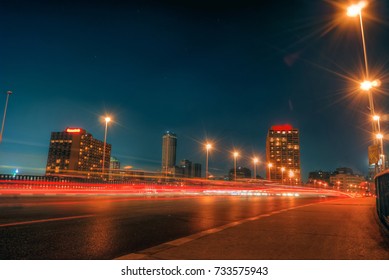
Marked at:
<point>282,174</point>
<point>5,113</point>
<point>207,147</point>
<point>255,160</point>
<point>107,120</point>
<point>235,156</point>
<point>270,165</point>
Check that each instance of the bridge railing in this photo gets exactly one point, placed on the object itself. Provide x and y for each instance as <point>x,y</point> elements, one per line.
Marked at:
<point>382,192</point>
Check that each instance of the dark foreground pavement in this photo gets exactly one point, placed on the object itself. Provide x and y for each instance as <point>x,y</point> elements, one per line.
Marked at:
<point>333,230</point>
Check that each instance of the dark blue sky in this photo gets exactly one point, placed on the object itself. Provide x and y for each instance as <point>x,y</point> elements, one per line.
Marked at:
<point>226,70</point>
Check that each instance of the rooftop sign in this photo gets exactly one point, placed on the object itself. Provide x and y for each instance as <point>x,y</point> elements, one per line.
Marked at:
<point>282,127</point>
<point>73,130</point>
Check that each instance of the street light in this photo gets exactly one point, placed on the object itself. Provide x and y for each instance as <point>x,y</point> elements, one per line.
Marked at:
<point>291,175</point>
<point>380,138</point>
<point>107,120</point>
<point>282,174</point>
<point>236,154</point>
<point>208,146</point>
<point>5,113</point>
<point>354,11</point>
<point>367,86</point>
<point>255,161</point>
<point>269,165</point>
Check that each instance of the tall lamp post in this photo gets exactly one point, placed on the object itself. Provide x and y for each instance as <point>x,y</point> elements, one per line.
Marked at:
<point>107,120</point>
<point>255,161</point>
<point>356,11</point>
<point>236,154</point>
<point>269,165</point>
<point>5,113</point>
<point>282,174</point>
<point>291,175</point>
<point>208,146</point>
<point>380,137</point>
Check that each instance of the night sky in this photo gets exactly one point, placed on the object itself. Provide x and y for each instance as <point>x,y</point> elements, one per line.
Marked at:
<point>219,70</point>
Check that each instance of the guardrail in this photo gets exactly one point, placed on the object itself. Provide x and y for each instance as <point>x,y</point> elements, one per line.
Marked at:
<point>382,192</point>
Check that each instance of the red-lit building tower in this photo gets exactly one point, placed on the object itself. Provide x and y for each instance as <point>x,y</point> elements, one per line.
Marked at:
<point>283,153</point>
<point>75,152</point>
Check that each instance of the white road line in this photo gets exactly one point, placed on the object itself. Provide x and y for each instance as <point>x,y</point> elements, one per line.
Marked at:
<point>45,220</point>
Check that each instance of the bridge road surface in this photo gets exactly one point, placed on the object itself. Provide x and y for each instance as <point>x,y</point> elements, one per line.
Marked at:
<point>205,227</point>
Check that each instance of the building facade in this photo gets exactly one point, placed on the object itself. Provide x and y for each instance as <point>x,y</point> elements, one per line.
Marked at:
<point>241,173</point>
<point>283,154</point>
<point>114,163</point>
<point>75,152</point>
<point>169,149</point>
<point>319,176</point>
<point>196,170</point>
<point>186,166</point>
<point>347,182</point>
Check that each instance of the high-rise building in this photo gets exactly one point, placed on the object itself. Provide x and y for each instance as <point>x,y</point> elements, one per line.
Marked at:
<point>75,152</point>
<point>169,147</point>
<point>283,153</point>
<point>319,176</point>
<point>241,173</point>
<point>196,170</point>
<point>114,163</point>
<point>186,166</point>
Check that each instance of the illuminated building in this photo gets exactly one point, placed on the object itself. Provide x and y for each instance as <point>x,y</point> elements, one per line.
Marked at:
<point>114,163</point>
<point>186,166</point>
<point>241,173</point>
<point>347,181</point>
<point>75,152</point>
<point>169,147</point>
<point>189,169</point>
<point>283,152</point>
<point>196,170</point>
<point>319,176</point>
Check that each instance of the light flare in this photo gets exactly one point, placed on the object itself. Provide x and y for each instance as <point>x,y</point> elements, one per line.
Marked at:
<point>356,9</point>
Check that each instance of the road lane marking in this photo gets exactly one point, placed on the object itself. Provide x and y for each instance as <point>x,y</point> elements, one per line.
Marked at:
<point>147,253</point>
<point>45,220</point>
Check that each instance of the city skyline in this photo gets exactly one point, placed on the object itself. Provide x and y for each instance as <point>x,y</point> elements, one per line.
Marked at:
<point>224,73</point>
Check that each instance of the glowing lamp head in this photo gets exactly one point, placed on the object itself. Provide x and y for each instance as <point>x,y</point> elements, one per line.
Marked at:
<point>270,165</point>
<point>107,119</point>
<point>376,118</point>
<point>355,10</point>
<point>208,146</point>
<point>255,160</point>
<point>366,85</point>
<point>379,136</point>
<point>236,154</point>
<point>282,169</point>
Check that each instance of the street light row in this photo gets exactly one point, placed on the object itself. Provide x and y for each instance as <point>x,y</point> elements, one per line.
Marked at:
<point>255,161</point>
<point>367,85</point>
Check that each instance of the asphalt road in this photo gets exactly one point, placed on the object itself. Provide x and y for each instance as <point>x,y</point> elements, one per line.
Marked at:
<point>110,227</point>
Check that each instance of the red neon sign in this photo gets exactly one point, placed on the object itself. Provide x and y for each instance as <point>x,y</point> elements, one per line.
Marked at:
<point>73,130</point>
<point>282,127</point>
